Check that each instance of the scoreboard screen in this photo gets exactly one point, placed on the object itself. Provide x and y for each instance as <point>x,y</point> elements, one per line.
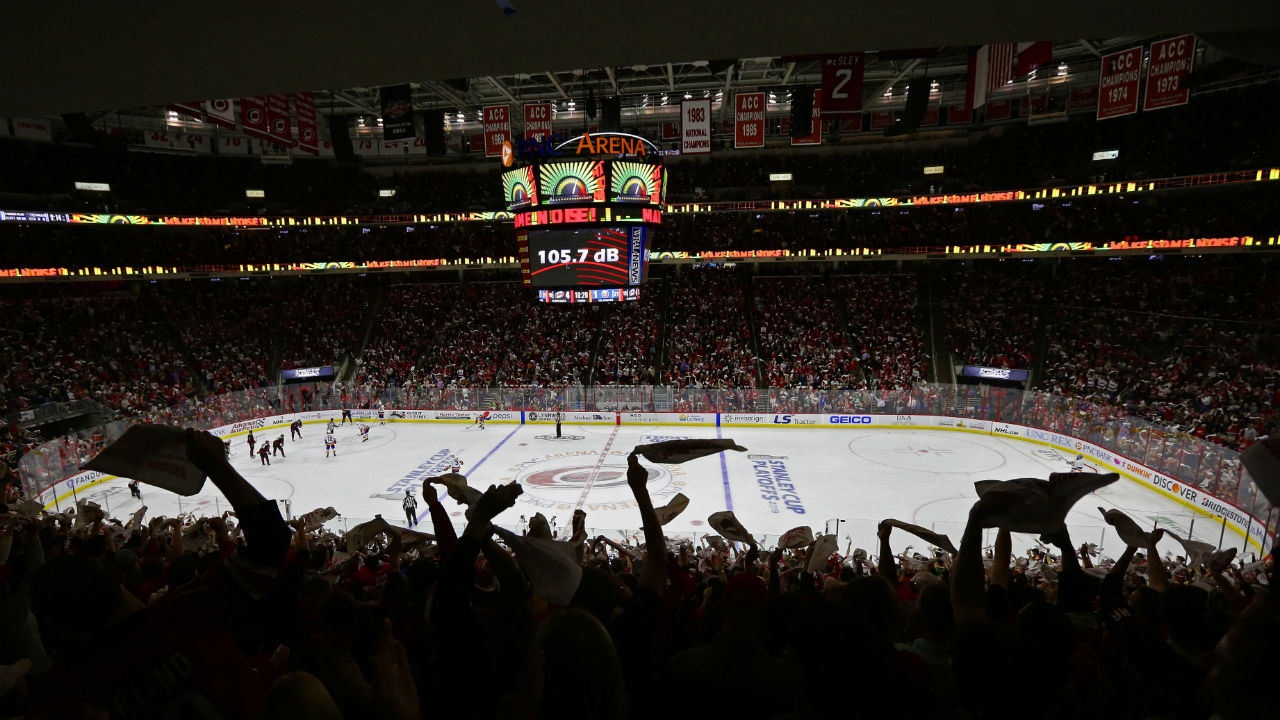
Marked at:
<point>585,257</point>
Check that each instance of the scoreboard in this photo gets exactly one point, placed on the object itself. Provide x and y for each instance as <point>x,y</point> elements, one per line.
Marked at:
<point>585,226</point>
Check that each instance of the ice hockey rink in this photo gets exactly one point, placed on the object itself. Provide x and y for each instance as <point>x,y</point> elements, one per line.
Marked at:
<point>837,480</point>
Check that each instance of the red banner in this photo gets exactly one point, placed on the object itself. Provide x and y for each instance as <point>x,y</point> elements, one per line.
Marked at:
<point>842,83</point>
<point>815,127</point>
<point>497,128</point>
<point>1171,62</point>
<point>1083,97</point>
<point>221,112</point>
<point>279,129</point>
<point>748,120</point>
<point>670,131</point>
<point>998,109</point>
<point>851,125</point>
<point>253,117</point>
<point>308,134</point>
<point>959,115</point>
<point>537,121</point>
<point>930,117</point>
<point>881,119</point>
<point>1118,82</point>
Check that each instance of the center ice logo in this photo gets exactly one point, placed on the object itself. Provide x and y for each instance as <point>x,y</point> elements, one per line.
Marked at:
<point>578,476</point>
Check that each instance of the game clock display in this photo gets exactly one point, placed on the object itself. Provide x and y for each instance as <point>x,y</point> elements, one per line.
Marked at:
<point>594,257</point>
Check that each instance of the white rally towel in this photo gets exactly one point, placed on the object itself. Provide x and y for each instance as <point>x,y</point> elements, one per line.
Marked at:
<point>679,451</point>
<point>823,547</point>
<point>316,518</point>
<point>672,509</point>
<point>1126,528</point>
<point>1197,552</point>
<point>1032,505</point>
<point>934,539</point>
<point>552,566</point>
<point>153,454</point>
<point>726,523</point>
<point>796,538</point>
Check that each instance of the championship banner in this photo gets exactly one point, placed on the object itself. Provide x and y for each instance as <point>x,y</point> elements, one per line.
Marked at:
<point>308,133</point>
<point>1171,62</point>
<point>1083,98</point>
<point>497,129</point>
<point>221,112</point>
<point>815,127</point>
<point>842,83</point>
<point>1118,82</point>
<point>999,109</point>
<point>537,121</point>
<point>190,109</point>
<point>253,116</point>
<point>748,120</point>
<point>279,129</point>
<point>959,115</point>
<point>881,119</point>
<point>32,128</point>
<point>695,127</point>
<point>397,112</point>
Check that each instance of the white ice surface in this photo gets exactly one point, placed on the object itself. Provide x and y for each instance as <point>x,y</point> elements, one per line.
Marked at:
<point>858,476</point>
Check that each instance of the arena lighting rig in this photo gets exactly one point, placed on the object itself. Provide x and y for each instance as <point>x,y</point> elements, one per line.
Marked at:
<point>585,210</point>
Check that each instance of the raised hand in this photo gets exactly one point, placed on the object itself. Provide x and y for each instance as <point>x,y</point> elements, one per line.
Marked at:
<point>496,499</point>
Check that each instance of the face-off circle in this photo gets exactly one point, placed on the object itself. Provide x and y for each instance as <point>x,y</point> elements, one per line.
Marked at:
<point>557,481</point>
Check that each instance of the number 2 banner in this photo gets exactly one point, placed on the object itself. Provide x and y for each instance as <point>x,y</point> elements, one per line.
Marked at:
<point>842,84</point>
<point>695,127</point>
<point>1118,83</point>
<point>1171,62</point>
<point>748,120</point>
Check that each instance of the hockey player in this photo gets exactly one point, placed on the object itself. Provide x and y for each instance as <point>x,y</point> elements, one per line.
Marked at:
<point>295,430</point>
<point>264,453</point>
<point>481,418</point>
<point>277,446</point>
<point>330,445</point>
<point>455,464</point>
<point>364,433</point>
<point>346,415</point>
<point>382,413</point>
<point>410,505</point>
<point>134,490</point>
<point>1077,465</point>
<point>226,445</point>
<point>252,442</point>
<point>331,427</point>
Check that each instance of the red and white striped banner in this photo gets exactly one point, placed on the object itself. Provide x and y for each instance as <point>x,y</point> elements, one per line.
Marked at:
<point>253,117</point>
<point>497,128</point>
<point>748,120</point>
<point>537,121</point>
<point>308,134</point>
<point>279,129</point>
<point>1118,83</point>
<point>221,112</point>
<point>1167,72</point>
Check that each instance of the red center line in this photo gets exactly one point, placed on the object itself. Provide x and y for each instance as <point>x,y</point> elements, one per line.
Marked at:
<point>591,480</point>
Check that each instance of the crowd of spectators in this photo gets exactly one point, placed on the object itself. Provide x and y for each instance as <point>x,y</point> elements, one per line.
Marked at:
<point>708,331</point>
<point>803,342</point>
<point>628,352</point>
<point>991,312</point>
<point>246,615</point>
<point>551,346</point>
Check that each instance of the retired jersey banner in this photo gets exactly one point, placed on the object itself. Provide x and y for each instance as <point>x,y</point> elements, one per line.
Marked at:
<point>748,120</point>
<point>1118,82</point>
<point>1171,62</point>
<point>279,129</point>
<point>815,126</point>
<point>842,83</point>
<point>695,126</point>
<point>308,134</point>
<point>537,121</point>
<point>253,116</point>
<point>221,112</point>
<point>497,128</point>
<point>397,112</point>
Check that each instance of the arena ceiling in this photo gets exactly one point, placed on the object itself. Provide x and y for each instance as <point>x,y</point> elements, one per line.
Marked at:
<point>110,56</point>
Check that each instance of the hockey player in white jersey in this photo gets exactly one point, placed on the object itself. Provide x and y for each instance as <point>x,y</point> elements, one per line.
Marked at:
<point>455,464</point>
